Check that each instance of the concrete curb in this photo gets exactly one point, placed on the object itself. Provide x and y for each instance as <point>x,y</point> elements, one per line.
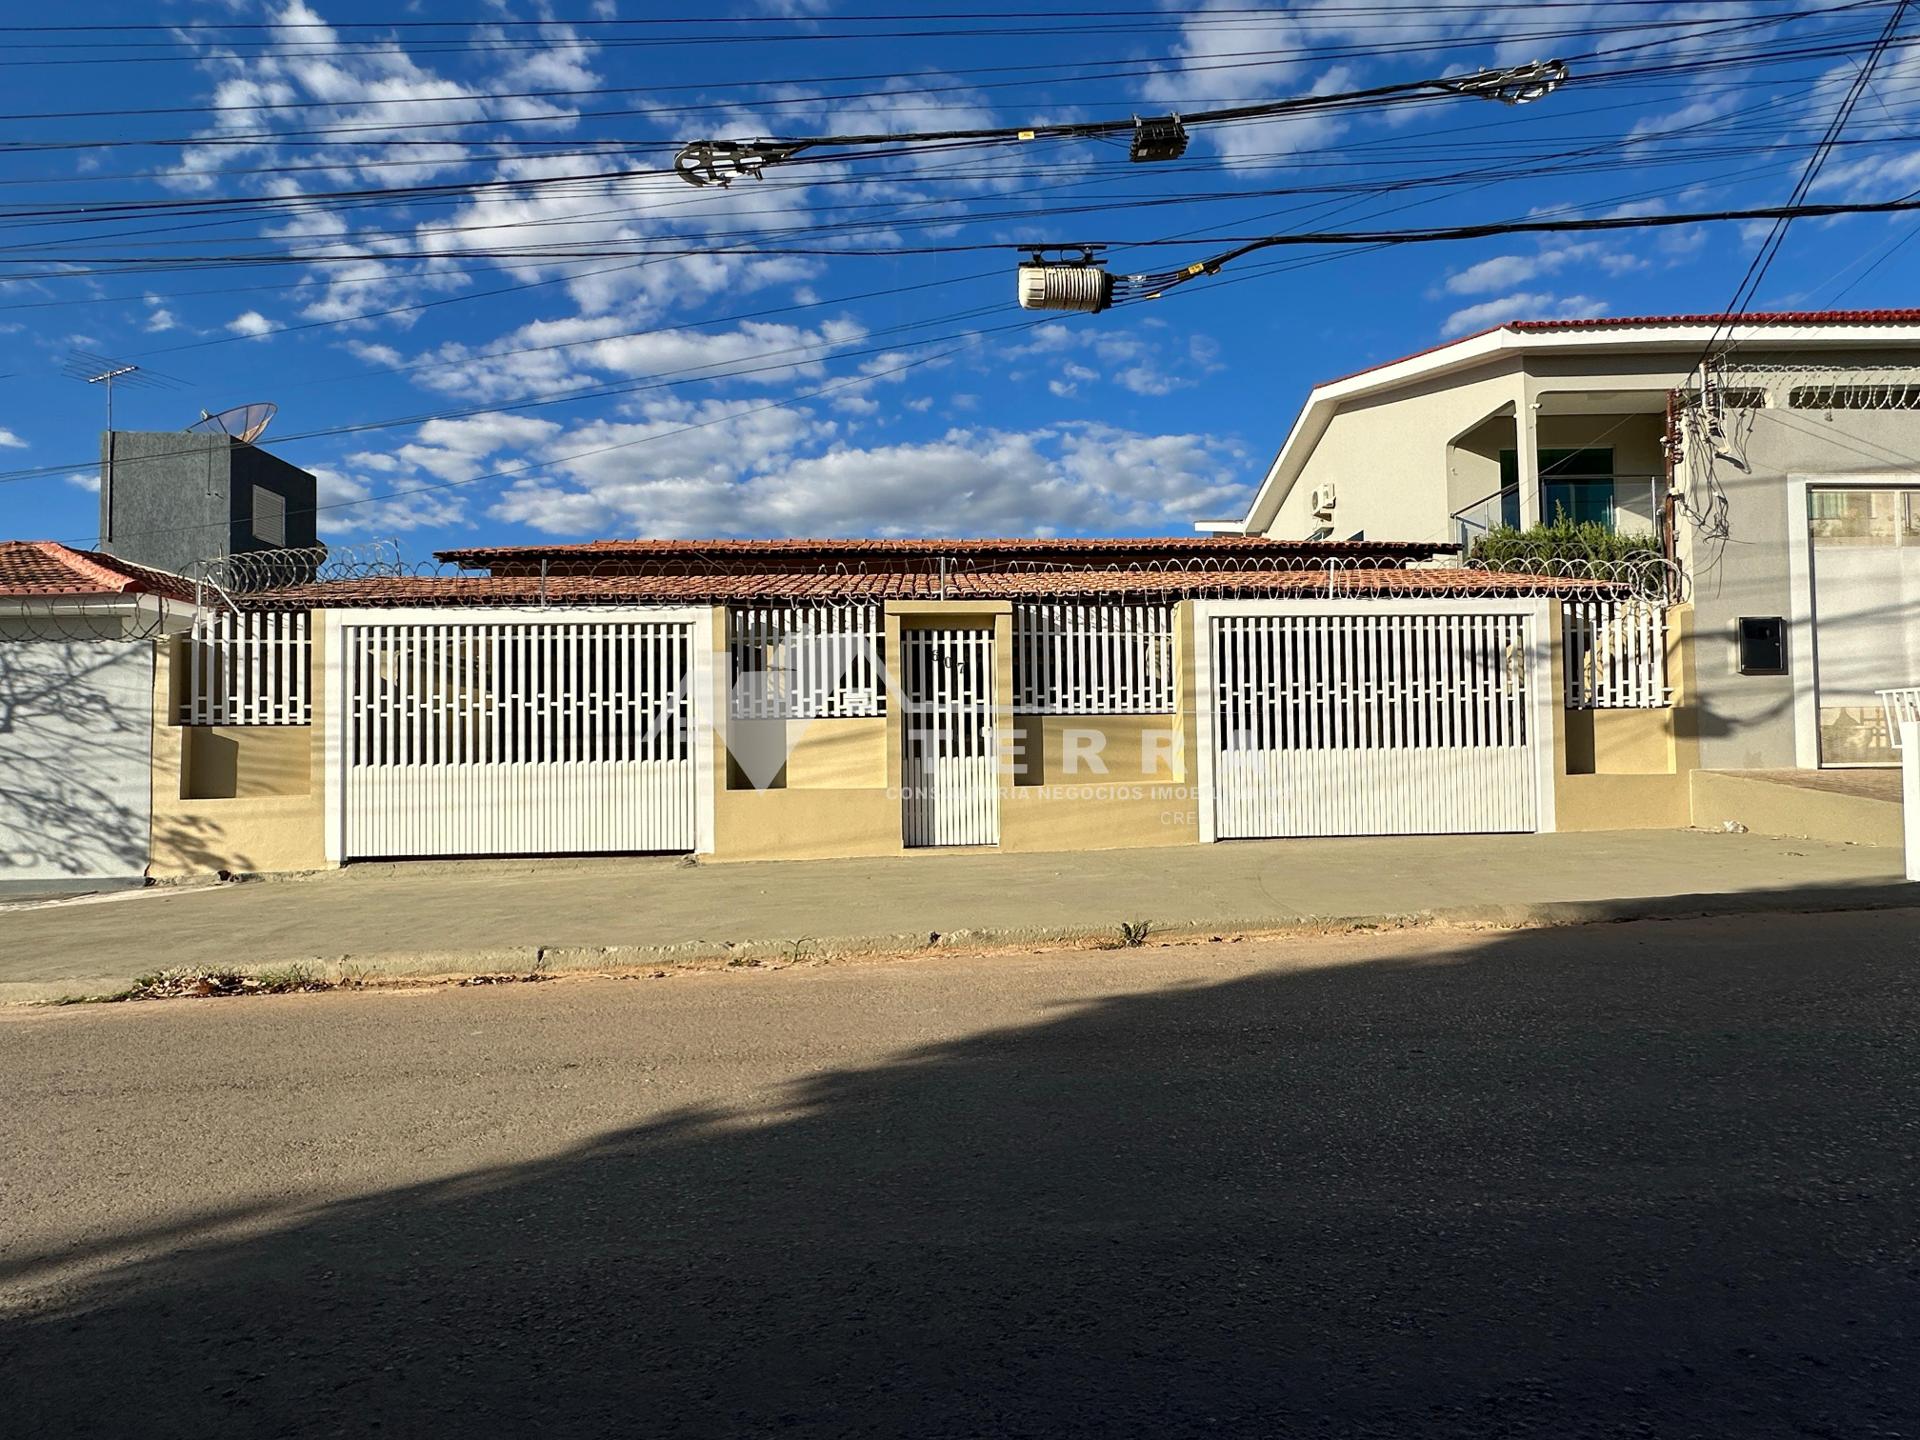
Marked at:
<point>560,959</point>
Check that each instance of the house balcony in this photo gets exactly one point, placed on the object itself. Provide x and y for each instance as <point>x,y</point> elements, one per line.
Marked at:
<point>1621,504</point>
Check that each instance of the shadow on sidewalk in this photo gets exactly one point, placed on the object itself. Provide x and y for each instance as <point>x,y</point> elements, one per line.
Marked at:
<point>1621,1180</point>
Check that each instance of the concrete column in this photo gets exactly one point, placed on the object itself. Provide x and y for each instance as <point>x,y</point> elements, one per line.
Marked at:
<point>1526,427</point>
<point>1910,794</point>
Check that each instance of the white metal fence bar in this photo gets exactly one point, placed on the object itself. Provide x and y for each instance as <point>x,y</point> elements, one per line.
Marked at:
<point>516,737</point>
<point>1348,724</point>
<point>1902,707</point>
<point>1614,654</point>
<point>253,668</point>
<point>949,771</point>
<point>805,662</point>
<point>1092,658</point>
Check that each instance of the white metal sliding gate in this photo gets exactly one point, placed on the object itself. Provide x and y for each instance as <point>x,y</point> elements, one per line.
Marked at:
<point>1389,718</point>
<point>485,734</point>
<point>949,773</point>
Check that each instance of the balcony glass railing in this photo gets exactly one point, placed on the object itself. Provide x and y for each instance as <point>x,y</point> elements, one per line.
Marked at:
<point>1624,504</point>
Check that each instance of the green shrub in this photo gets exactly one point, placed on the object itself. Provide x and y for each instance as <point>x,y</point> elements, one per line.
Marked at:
<point>1561,538</point>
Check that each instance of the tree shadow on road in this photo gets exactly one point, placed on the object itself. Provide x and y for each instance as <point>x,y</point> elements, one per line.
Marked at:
<point>1605,1181</point>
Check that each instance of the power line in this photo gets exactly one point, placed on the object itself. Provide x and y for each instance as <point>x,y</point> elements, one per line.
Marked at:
<point>820,350</point>
<point>1763,258</point>
<point>1116,68</point>
<point>863,379</point>
<point>496,22</point>
<point>1244,244</point>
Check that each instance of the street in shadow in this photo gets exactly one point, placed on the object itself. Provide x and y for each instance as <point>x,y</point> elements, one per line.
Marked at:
<point>1593,1182</point>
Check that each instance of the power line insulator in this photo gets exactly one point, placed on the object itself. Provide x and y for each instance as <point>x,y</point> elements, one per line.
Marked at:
<point>1162,138</point>
<point>1073,285</point>
<point>721,162</point>
<point>1515,85</point>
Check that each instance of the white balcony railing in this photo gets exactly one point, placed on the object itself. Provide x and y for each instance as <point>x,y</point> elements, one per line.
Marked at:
<point>1903,708</point>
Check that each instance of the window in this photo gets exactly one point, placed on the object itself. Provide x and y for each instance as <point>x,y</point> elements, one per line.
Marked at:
<point>1853,517</point>
<point>1864,542</point>
<point>1762,645</point>
<point>1575,484</point>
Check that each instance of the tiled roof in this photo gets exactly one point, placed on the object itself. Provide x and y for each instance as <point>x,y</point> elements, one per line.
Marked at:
<point>695,589</point>
<point>867,550</point>
<point>1761,317</point>
<point>46,567</point>
<point>1578,324</point>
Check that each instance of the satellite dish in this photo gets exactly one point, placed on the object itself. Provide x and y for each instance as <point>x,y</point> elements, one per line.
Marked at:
<point>245,423</point>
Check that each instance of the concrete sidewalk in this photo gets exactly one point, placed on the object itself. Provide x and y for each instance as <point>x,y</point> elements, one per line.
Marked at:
<point>433,917</point>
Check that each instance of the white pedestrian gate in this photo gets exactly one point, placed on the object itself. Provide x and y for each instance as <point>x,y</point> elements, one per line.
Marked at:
<point>949,773</point>
<point>520,733</point>
<point>1381,718</point>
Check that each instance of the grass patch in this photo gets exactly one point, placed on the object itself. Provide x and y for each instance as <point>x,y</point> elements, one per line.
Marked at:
<point>294,978</point>
<point>1131,934</point>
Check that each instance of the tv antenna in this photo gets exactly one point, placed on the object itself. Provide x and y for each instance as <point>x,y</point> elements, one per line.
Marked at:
<point>244,423</point>
<point>106,371</point>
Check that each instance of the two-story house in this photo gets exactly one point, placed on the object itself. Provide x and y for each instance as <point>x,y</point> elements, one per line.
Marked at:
<point>1776,459</point>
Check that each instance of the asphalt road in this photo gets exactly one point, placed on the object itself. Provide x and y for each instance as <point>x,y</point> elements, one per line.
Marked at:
<point>1642,1179</point>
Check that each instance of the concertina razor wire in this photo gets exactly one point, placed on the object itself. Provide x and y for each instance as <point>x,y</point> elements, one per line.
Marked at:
<point>377,574</point>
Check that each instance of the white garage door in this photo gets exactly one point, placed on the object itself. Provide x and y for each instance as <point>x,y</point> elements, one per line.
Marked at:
<point>513,736</point>
<point>1381,720</point>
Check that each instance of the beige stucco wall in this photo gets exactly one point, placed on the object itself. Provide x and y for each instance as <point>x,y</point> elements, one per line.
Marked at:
<point>1097,750</point>
<point>1628,769</point>
<point>804,824</point>
<point>839,793</point>
<point>848,754</point>
<point>238,798</point>
<point>252,798</point>
<point>1404,461</point>
<point>1388,460</point>
<point>227,762</point>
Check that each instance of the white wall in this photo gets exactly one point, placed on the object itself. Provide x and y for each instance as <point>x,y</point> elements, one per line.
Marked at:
<point>76,740</point>
<point>1388,460</point>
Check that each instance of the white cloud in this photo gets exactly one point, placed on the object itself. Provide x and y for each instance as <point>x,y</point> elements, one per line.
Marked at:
<point>1495,274</point>
<point>1688,117</point>
<point>1504,272</point>
<point>462,449</point>
<point>252,324</point>
<point>745,472</point>
<point>1520,306</point>
<point>347,506</point>
<point>88,480</point>
<point>10,441</point>
<point>1149,380</point>
<point>159,318</point>
<point>554,355</point>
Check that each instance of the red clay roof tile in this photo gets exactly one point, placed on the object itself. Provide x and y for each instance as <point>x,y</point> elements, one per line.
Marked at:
<point>46,567</point>
<point>1078,548</point>
<point>694,589</point>
<point>1758,317</point>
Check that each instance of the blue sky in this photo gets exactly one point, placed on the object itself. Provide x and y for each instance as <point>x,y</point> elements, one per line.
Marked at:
<point>448,392</point>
